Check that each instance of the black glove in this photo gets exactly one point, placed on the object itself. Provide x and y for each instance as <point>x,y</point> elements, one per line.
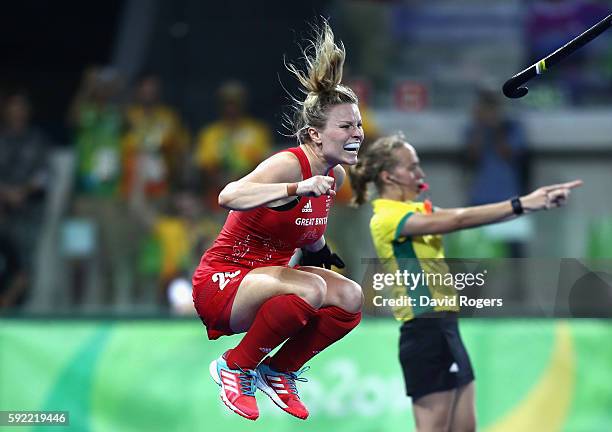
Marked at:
<point>322,258</point>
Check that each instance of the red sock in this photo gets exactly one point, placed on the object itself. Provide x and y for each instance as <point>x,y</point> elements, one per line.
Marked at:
<point>327,326</point>
<point>277,319</point>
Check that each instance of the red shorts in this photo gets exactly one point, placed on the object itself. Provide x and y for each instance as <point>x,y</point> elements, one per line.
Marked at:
<point>214,290</point>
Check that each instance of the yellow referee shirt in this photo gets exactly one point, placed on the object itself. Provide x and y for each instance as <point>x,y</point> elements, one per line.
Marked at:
<point>418,259</point>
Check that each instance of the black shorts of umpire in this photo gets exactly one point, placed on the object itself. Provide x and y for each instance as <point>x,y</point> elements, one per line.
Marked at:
<point>432,355</point>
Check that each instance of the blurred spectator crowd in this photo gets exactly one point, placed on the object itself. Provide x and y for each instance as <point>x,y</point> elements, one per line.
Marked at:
<point>142,199</point>
<point>141,204</point>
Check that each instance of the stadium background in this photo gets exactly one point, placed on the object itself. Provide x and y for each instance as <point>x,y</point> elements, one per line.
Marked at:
<point>133,357</point>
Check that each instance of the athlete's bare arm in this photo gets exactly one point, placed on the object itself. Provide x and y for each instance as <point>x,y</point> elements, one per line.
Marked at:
<point>265,184</point>
<point>447,220</point>
<point>268,184</point>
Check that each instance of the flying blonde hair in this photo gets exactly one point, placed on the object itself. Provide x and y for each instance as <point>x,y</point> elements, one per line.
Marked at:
<point>321,83</point>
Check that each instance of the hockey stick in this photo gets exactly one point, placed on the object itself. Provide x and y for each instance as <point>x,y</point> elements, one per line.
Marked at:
<point>512,88</point>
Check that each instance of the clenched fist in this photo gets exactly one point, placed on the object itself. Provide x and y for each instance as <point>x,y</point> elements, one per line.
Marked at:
<point>316,186</point>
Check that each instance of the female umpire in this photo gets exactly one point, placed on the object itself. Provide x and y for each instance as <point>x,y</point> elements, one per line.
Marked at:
<point>436,366</point>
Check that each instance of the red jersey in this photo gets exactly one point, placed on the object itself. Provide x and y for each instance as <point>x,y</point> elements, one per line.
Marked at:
<point>267,236</point>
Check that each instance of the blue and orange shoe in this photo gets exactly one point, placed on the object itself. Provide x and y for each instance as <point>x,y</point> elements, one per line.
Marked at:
<point>237,388</point>
<point>281,388</point>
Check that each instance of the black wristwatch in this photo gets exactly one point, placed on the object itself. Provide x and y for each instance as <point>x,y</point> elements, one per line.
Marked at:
<point>517,207</point>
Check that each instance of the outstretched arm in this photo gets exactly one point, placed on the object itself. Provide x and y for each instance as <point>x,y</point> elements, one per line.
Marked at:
<point>447,220</point>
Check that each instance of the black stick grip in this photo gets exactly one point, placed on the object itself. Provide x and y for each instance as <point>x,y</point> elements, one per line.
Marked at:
<point>512,88</point>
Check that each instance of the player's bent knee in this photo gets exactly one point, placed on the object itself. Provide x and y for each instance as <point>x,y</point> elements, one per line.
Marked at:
<point>351,297</point>
<point>312,290</point>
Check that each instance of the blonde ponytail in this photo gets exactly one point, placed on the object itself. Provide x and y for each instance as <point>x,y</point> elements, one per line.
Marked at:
<point>321,82</point>
<point>374,159</point>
